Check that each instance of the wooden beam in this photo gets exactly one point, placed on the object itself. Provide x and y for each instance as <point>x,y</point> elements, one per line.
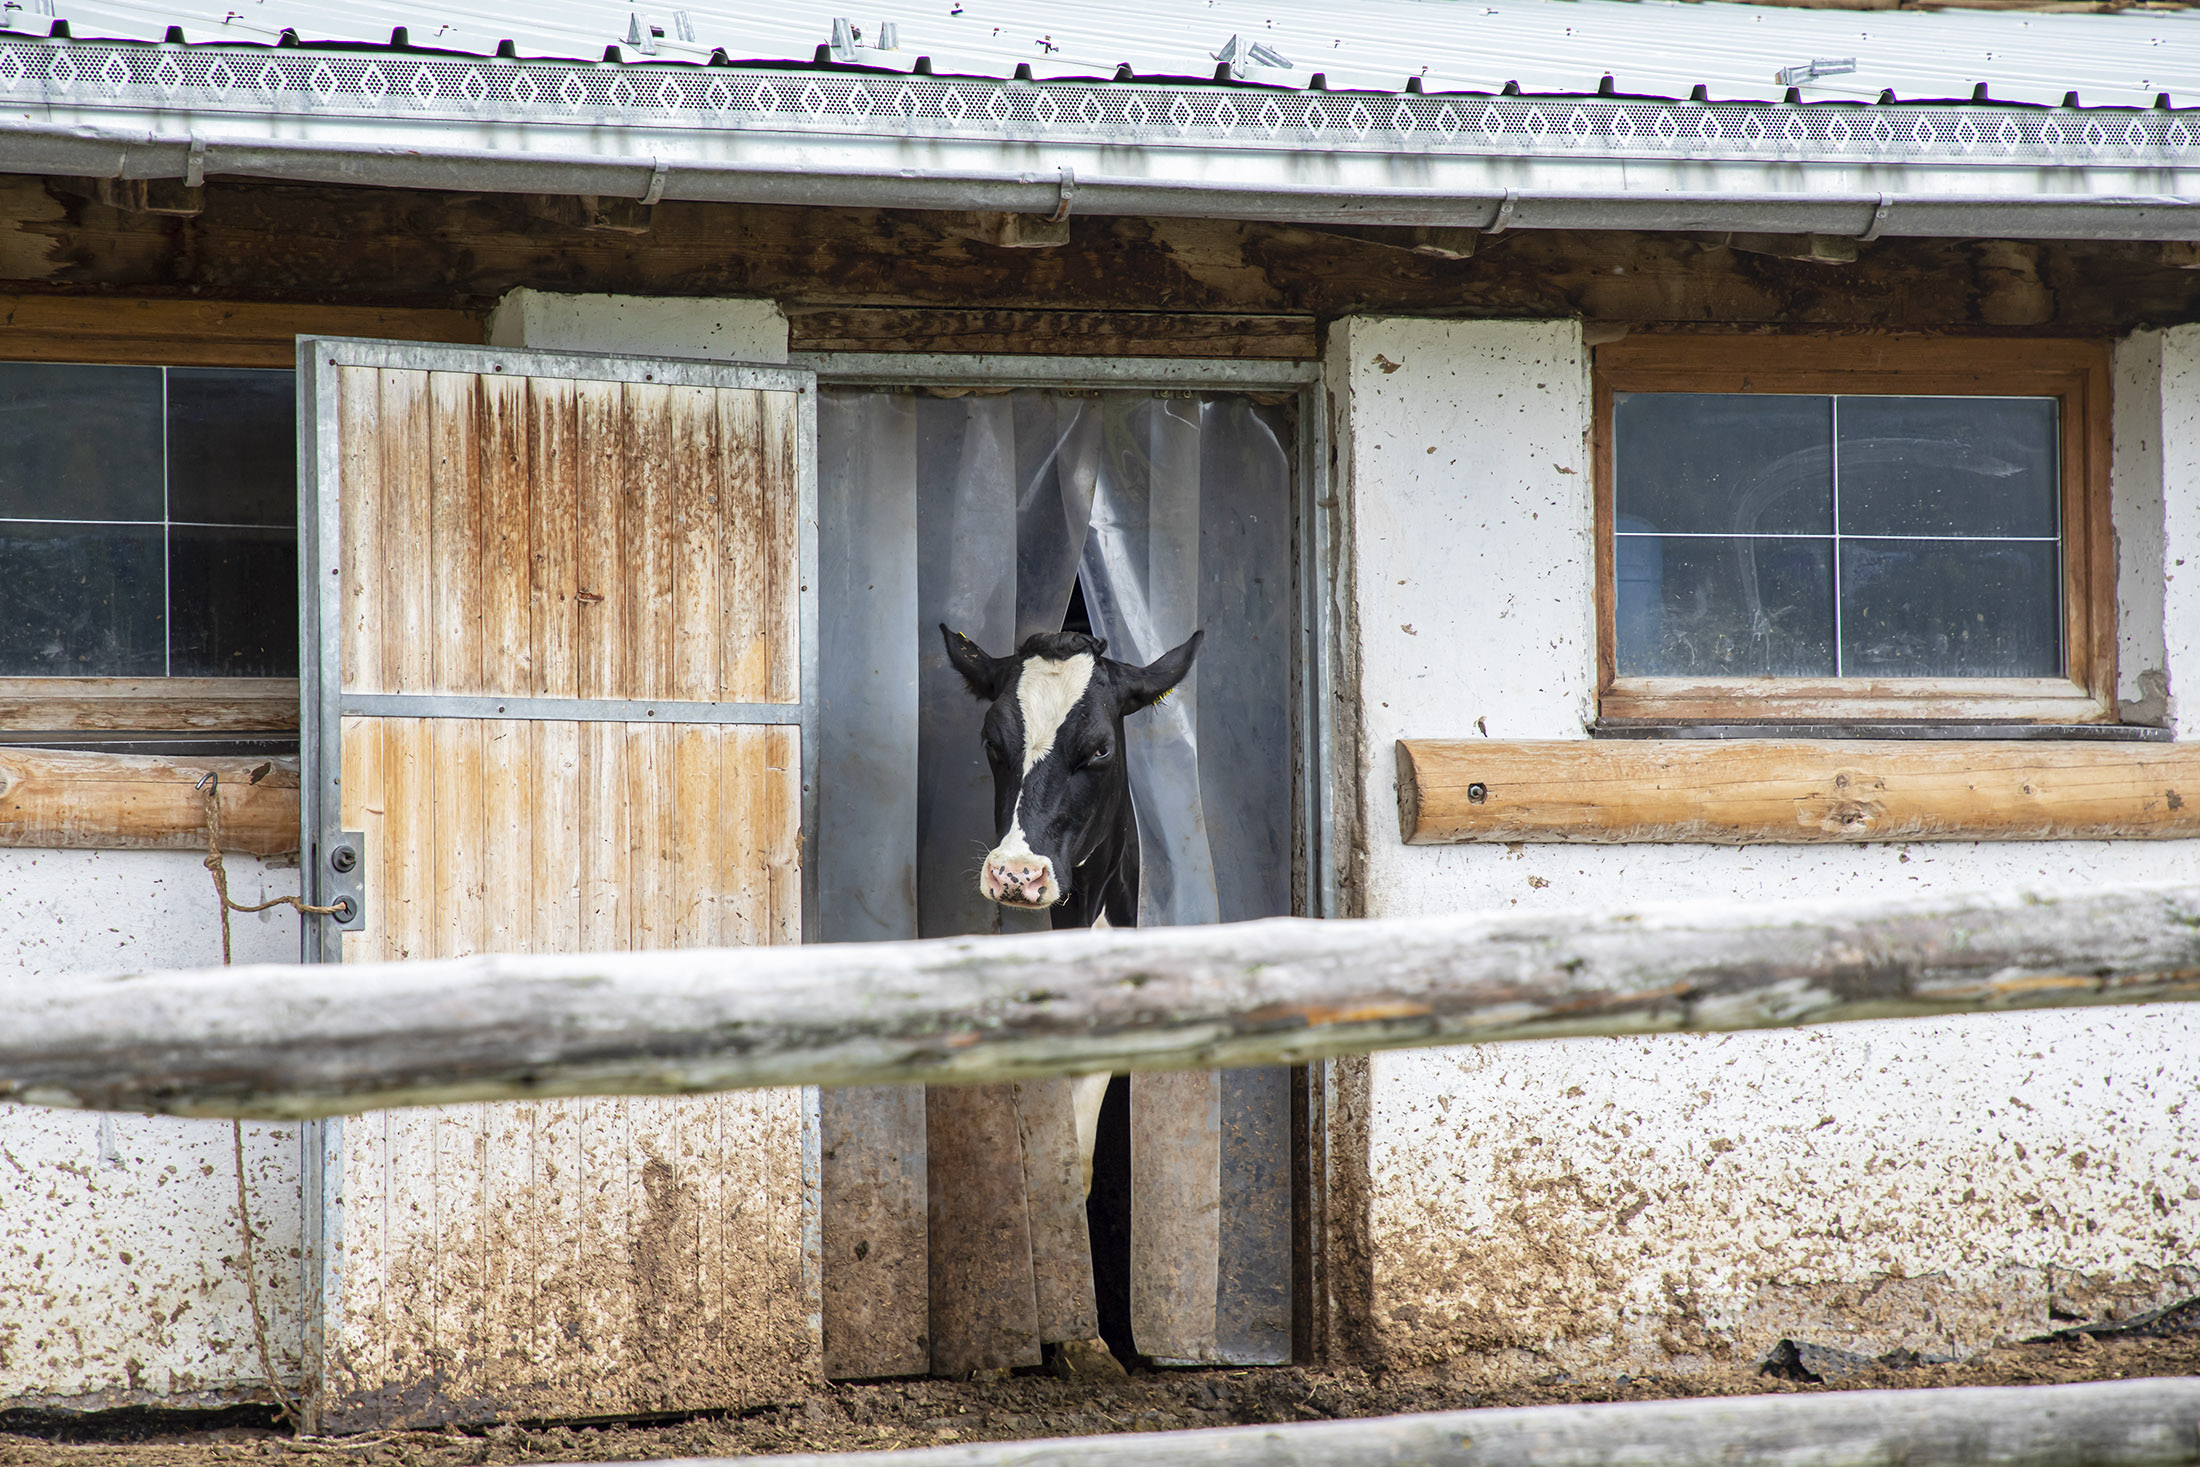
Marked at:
<point>1053,333</point>
<point>1779,791</point>
<point>2128,1423</point>
<point>140,802</point>
<point>296,1040</point>
<point>148,705</point>
<point>315,243</point>
<point>203,333</point>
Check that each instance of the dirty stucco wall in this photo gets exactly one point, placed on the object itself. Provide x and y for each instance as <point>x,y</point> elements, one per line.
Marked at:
<point>121,1279</point>
<point>1666,1203</point>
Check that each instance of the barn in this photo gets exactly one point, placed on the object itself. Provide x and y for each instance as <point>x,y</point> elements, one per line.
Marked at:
<point>497,480</point>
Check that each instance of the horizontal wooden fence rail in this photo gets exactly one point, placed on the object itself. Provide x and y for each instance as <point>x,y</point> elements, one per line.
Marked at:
<point>297,1040</point>
<point>2125,1423</point>
<point>1794,791</point>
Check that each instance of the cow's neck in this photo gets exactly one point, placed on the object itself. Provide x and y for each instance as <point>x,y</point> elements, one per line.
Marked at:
<point>1105,883</point>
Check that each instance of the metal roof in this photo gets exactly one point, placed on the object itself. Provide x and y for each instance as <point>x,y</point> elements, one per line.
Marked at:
<point>1519,113</point>
<point>1653,49</point>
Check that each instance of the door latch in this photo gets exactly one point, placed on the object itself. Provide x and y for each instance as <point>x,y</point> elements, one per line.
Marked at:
<point>344,880</point>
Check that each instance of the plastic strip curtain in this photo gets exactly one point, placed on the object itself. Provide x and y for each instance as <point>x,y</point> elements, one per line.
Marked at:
<point>1174,512</point>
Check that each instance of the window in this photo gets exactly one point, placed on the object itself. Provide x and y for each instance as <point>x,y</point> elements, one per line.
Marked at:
<point>148,528</point>
<point>1798,528</point>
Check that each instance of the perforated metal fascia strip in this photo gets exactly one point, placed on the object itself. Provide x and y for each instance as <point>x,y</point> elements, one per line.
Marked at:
<point>298,82</point>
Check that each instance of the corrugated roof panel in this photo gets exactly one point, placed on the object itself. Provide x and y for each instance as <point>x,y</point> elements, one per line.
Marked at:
<point>1555,46</point>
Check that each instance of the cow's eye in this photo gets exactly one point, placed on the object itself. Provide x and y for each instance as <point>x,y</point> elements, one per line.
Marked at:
<point>1100,754</point>
<point>995,752</point>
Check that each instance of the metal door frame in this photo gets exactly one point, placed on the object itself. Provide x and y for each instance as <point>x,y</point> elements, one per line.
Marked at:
<point>1325,783</point>
<point>323,707</point>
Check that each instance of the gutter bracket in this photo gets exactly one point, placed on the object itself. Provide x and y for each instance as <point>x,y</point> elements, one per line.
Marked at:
<point>194,164</point>
<point>1879,220</point>
<point>656,189</point>
<point>1068,187</point>
<point>1503,219</point>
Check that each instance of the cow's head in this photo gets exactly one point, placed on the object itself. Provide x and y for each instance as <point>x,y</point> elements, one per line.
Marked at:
<point>1054,736</point>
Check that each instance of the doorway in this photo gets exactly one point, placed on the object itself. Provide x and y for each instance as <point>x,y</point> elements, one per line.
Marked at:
<point>1143,510</point>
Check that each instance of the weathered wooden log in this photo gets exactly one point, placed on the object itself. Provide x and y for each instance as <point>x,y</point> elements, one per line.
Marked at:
<point>144,802</point>
<point>1794,791</point>
<point>2122,1423</point>
<point>294,1040</point>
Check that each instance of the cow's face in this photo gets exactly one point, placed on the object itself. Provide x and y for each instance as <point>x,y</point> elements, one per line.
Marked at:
<point>1054,736</point>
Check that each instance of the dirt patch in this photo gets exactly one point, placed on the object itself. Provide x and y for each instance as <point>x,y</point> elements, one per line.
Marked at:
<point>917,1413</point>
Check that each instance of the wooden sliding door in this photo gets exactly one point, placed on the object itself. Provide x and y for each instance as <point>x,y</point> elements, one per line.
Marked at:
<point>560,640</point>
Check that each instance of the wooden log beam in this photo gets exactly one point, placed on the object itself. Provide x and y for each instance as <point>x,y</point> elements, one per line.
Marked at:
<point>1053,333</point>
<point>144,802</point>
<point>189,333</point>
<point>293,1040</point>
<point>2121,1423</point>
<point>1779,791</point>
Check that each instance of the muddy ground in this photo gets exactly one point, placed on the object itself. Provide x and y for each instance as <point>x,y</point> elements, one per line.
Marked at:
<point>929,1413</point>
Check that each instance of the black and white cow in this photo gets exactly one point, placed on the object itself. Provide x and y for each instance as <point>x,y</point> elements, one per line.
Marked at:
<point>1065,836</point>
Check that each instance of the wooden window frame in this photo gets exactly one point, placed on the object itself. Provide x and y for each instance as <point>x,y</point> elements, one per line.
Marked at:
<point>105,331</point>
<point>2074,371</point>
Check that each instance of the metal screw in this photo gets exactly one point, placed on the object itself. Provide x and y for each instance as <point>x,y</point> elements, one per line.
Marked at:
<point>1477,793</point>
<point>346,911</point>
<point>342,860</point>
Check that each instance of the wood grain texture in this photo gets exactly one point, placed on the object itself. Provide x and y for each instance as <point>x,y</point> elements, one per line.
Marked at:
<point>202,333</point>
<point>665,1233</point>
<point>144,802</point>
<point>150,705</point>
<point>2134,1423</point>
<point>575,1257</point>
<point>1779,791</point>
<point>569,539</point>
<point>983,1313</point>
<point>285,1041</point>
<point>2074,372</point>
<point>291,242</point>
<point>1176,1214</point>
<point>876,1265</point>
<point>1053,333</point>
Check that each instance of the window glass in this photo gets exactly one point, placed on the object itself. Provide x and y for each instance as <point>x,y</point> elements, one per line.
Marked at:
<point>1775,535</point>
<point>83,443</point>
<point>147,522</point>
<point>81,600</point>
<point>232,447</point>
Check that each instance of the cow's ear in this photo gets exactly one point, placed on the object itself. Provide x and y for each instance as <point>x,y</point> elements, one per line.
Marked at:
<point>1142,687</point>
<point>985,676</point>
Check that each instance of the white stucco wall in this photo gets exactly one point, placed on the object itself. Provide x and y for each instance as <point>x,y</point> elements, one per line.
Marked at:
<point>1659,1203</point>
<point>642,326</point>
<point>120,1275</point>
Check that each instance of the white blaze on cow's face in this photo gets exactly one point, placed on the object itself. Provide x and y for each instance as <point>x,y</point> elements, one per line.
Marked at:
<point>1047,692</point>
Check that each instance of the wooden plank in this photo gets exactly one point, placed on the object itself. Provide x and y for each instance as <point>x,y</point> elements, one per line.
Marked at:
<point>554,456</point>
<point>359,515</point>
<point>505,471</point>
<point>408,634</point>
<point>507,832</point>
<point>983,1312</point>
<point>144,802</point>
<point>554,838</point>
<point>148,705</point>
<point>409,775</point>
<point>873,1233</point>
<point>1052,333</point>
<point>455,527</point>
<point>283,1041</point>
<point>600,546</point>
<point>1176,1214</point>
<point>2131,1423</point>
<point>647,574</point>
<point>204,333</point>
<point>695,519</point>
<point>364,809</point>
<point>779,463</point>
<point>1755,791</point>
<point>651,861</point>
<point>606,916</point>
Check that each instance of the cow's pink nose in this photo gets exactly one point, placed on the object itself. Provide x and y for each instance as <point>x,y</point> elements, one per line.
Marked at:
<point>1021,882</point>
